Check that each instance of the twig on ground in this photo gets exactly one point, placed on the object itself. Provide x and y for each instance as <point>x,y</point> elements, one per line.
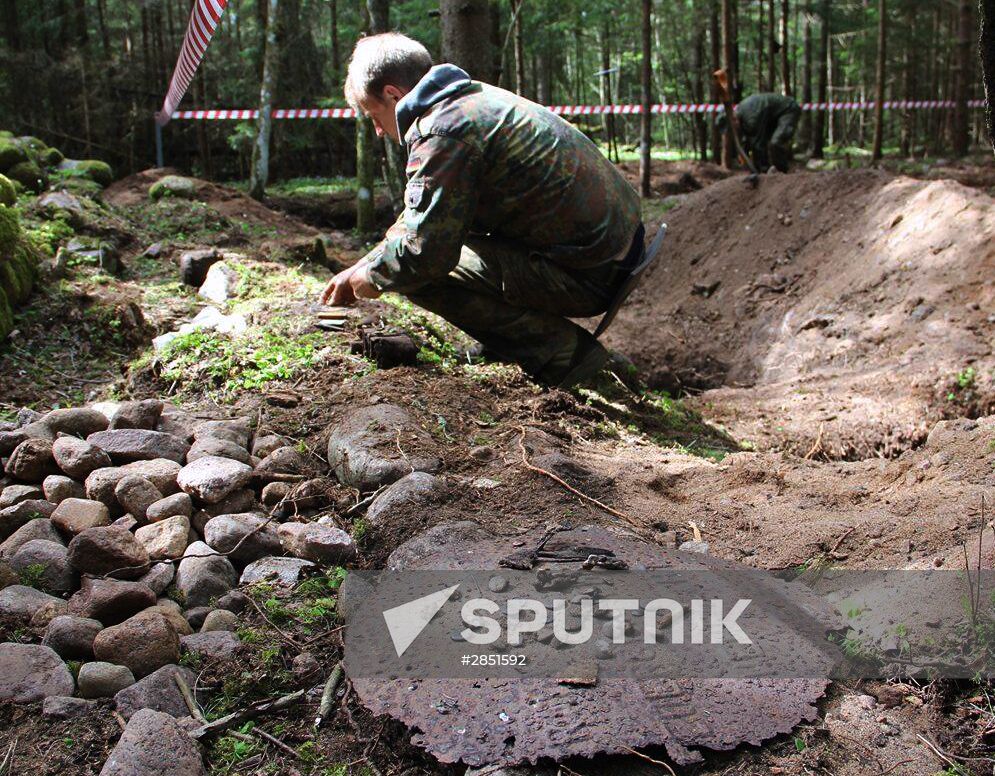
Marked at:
<point>8,759</point>
<point>840,541</point>
<point>243,715</point>
<point>276,742</point>
<point>188,698</point>
<point>817,447</point>
<point>119,719</point>
<point>404,455</point>
<point>649,759</point>
<point>328,695</point>
<point>287,637</point>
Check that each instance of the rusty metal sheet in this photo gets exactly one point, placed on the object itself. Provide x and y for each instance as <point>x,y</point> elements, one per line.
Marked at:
<point>508,721</point>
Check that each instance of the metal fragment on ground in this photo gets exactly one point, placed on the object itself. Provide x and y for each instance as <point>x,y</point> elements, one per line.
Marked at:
<point>489,721</point>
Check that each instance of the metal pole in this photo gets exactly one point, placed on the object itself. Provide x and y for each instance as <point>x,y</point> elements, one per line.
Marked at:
<point>158,146</point>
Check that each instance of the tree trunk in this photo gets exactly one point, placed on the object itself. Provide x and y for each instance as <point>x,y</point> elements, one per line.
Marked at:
<point>333,9</point>
<point>698,86</point>
<point>259,174</point>
<point>908,139</point>
<point>879,95</point>
<point>716,44</point>
<point>519,48</point>
<point>394,156</point>
<point>761,85</point>
<point>987,45</point>
<point>785,68</point>
<point>645,127</point>
<point>11,25</point>
<point>965,69</point>
<point>772,46</point>
<point>821,115</point>
<point>729,64</point>
<point>105,39</point>
<point>466,38</point>
<point>365,167</point>
<point>807,116</point>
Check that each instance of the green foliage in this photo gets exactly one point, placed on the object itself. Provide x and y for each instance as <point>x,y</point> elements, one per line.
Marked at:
<point>8,195</point>
<point>97,171</point>
<point>228,751</point>
<point>33,576</point>
<point>47,236</point>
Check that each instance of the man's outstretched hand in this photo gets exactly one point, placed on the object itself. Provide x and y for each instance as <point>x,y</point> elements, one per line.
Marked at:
<point>348,285</point>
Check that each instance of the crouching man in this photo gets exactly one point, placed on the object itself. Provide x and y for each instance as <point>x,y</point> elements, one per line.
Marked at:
<point>513,222</point>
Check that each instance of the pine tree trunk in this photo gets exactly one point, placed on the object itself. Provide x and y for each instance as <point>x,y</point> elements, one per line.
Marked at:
<point>259,174</point>
<point>879,96</point>
<point>771,46</point>
<point>105,39</point>
<point>807,116</point>
<point>785,67</point>
<point>645,125</point>
<point>333,9</point>
<point>698,86</point>
<point>965,69</point>
<point>11,25</point>
<point>908,139</point>
<point>987,46</point>
<point>761,85</point>
<point>820,119</point>
<point>466,38</point>
<point>716,43</point>
<point>729,64</point>
<point>395,158</point>
<point>519,48</point>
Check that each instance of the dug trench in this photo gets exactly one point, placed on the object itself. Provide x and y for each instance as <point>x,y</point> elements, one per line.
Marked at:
<point>829,371</point>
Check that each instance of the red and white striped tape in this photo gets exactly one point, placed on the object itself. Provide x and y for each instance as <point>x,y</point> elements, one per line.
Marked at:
<point>204,17</point>
<point>574,110</point>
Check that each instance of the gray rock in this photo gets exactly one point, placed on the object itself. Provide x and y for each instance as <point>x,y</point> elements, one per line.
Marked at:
<point>78,458</point>
<point>111,601</point>
<point>220,620</point>
<point>99,551</point>
<point>234,601</point>
<point>220,284</point>
<point>33,529</point>
<point>71,638</point>
<point>177,422</point>
<point>280,571</point>
<point>699,547</point>
<point>161,472</point>
<point>57,488</point>
<point>283,460</point>
<point>156,691</point>
<point>154,744</point>
<point>236,502</point>
<point>51,558</point>
<point>21,513</point>
<point>133,444</point>
<point>103,680</point>
<point>305,666</point>
<point>75,421</point>
<point>201,579</point>
<point>32,461</point>
<point>324,544</point>
<point>170,506</point>
<point>46,613</point>
<point>136,494</point>
<point>171,611</point>
<point>214,645</point>
<point>15,494</point>
<point>137,414</point>
<point>143,643</point>
<point>74,515</point>
<point>20,603</point>
<point>223,448</point>
<point>166,539</point>
<point>31,672</point>
<point>237,430</point>
<point>362,447</point>
<point>159,577</point>
<point>7,576</point>
<point>212,478</point>
<point>62,707</point>
<point>127,522</point>
<point>196,616</point>
<point>413,490</point>
<point>256,533</point>
<point>195,264</point>
<point>266,444</point>
<point>274,493</point>
<point>313,494</point>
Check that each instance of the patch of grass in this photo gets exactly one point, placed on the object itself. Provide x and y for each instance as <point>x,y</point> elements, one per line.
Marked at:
<point>228,751</point>
<point>32,576</point>
<point>179,220</point>
<point>309,187</point>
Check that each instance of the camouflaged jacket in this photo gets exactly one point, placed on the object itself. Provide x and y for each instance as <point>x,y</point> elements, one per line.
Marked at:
<point>482,160</point>
<point>759,115</point>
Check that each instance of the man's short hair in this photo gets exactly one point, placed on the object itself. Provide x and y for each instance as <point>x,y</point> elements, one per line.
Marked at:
<point>381,60</point>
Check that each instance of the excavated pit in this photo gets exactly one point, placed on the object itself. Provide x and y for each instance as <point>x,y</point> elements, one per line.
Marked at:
<point>834,315</point>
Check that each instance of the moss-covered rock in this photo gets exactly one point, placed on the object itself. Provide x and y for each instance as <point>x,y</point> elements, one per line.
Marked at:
<point>31,144</point>
<point>80,186</point>
<point>8,194</point>
<point>97,171</point>
<point>10,232</point>
<point>6,316</point>
<point>173,186</point>
<point>11,154</point>
<point>51,157</point>
<point>6,134</point>
<point>29,175</point>
<point>17,277</point>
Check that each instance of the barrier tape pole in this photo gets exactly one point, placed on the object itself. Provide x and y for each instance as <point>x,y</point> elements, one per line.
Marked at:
<point>570,110</point>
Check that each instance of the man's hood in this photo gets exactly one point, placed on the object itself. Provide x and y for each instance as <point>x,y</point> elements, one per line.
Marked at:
<point>438,83</point>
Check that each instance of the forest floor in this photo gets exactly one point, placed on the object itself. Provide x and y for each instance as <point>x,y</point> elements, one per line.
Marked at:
<point>818,355</point>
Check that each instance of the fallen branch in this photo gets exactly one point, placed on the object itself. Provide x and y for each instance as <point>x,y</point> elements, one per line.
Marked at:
<point>290,639</point>
<point>328,695</point>
<point>243,715</point>
<point>266,737</point>
<point>8,759</point>
<point>188,698</point>
<point>649,759</point>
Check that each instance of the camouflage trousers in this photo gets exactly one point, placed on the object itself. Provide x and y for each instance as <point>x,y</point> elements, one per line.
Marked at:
<point>517,303</point>
<point>777,152</point>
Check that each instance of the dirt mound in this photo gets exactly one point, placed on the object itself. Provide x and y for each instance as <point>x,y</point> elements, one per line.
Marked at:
<point>134,190</point>
<point>834,315</point>
<point>681,177</point>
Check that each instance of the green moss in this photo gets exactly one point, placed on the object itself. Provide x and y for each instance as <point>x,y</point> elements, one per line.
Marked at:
<point>8,195</point>
<point>6,134</point>
<point>80,186</point>
<point>6,316</point>
<point>17,276</point>
<point>33,145</point>
<point>11,154</point>
<point>173,186</point>
<point>51,157</point>
<point>97,171</point>
<point>10,232</point>
<point>29,175</point>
